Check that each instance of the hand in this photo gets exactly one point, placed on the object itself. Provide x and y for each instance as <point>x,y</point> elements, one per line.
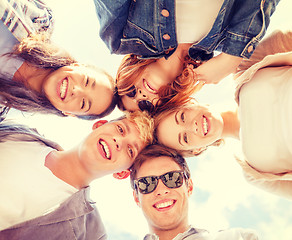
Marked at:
<point>217,68</point>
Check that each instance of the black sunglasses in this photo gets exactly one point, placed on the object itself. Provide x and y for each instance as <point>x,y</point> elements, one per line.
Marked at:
<point>148,184</point>
<point>144,105</point>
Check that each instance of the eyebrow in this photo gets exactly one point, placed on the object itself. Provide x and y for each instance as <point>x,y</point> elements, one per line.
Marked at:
<point>128,132</point>
<point>89,106</point>
<point>179,135</point>
<point>175,118</point>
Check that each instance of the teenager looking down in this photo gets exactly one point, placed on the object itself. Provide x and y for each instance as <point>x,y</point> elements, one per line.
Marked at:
<point>160,33</point>
<point>45,189</point>
<point>162,185</point>
<point>38,76</point>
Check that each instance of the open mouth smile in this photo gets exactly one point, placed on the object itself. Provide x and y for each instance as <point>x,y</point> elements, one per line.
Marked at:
<point>148,87</point>
<point>205,125</point>
<point>105,149</point>
<point>63,88</point>
<point>164,205</point>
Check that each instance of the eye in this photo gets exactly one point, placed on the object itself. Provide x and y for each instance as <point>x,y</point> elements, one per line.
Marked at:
<point>83,103</point>
<point>185,138</point>
<point>120,129</point>
<point>87,81</point>
<point>182,116</point>
<point>131,152</point>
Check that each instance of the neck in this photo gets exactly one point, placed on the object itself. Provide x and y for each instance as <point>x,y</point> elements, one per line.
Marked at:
<point>33,77</point>
<point>231,124</point>
<point>66,166</point>
<point>166,234</point>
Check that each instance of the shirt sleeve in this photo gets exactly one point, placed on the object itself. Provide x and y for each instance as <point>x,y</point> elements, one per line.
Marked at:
<point>242,37</point>
<point>235,234</point>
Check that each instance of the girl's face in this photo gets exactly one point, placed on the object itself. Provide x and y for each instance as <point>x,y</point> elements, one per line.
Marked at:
<point>78,90</point>
<point>146,87</point>
<point>155,76</point>
<point>190,128</point>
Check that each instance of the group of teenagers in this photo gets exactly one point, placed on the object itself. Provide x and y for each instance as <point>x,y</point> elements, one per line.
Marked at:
<point>169,50</point>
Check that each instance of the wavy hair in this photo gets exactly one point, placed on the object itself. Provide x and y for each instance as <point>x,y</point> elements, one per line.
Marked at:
<point>174,93</point>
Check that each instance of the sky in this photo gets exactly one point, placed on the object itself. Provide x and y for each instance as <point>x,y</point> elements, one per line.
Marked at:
<point>221,198</point>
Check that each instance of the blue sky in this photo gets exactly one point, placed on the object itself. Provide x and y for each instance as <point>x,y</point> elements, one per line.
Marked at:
<point>221,198</point>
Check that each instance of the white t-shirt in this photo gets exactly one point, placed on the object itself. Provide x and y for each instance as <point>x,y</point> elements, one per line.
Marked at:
<point>266,119</point>
<point>28,188</point>
<point>195,18</point>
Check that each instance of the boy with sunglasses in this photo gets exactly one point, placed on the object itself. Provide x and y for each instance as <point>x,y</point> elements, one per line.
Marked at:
<point>162,184</point>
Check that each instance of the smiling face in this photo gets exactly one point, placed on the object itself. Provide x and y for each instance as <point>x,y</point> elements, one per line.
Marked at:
<point>111,147</point>
<point>78,90</point>
<point>164,208</point>
<point>147,86</point>
<point>190,128</point>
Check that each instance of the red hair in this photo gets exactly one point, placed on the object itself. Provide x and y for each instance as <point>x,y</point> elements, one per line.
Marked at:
<point>175,93</point>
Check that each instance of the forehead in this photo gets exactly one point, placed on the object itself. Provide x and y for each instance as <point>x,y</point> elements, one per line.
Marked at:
<point>157,166</point>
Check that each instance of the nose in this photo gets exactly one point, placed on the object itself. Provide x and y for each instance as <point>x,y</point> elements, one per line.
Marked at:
<point>161,189</point>
<point>192,126</point>
<point>141,95</point>
<point>117,143</point>
<point>77,90</point>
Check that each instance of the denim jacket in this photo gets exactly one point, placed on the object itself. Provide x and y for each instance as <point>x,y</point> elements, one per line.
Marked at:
<point>76,218</point>
<point>141,28</point>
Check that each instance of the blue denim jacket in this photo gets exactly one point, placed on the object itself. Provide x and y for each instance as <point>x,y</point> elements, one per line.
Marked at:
<point>76,218</point>
<point>138,26</point>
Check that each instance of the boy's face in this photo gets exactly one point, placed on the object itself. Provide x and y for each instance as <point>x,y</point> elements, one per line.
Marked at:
<point>111,147</point>
<point>164,208</point>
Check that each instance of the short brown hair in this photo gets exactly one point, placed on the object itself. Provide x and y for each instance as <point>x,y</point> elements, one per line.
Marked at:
<point>155,151</point>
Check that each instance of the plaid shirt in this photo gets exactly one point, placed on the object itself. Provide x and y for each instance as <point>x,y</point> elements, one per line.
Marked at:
<point>23,17</point>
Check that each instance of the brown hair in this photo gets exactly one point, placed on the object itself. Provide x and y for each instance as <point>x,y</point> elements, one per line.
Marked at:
<point>174,93</point>
<point>39,51</point>
<point>155,151</point>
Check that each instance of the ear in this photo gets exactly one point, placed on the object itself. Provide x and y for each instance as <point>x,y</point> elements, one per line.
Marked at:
<point>68,114</point>
<point>136,198</point>
<point>122,174</point>
<point>190,187</point>
<point>198,150</point>
<point>98,124</point>
<point>75,64</point>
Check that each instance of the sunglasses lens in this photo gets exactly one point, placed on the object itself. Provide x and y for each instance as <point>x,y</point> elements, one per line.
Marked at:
<point>172,179</point>
<point>145,105</point>
<point>132,92</point>
<point>147,184</point>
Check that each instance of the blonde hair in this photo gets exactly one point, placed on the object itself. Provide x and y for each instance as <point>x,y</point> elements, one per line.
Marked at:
<point>145,125</point>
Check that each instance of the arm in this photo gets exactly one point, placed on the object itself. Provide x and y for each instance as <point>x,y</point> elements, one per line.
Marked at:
<point>112,16</point>
<point>282,188</point>
<point>236,233</point>
<point>217,68</point>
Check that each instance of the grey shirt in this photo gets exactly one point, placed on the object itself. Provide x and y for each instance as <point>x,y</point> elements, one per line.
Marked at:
<point>76,218</point>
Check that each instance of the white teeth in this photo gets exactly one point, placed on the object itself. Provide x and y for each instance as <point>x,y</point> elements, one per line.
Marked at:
<point>63,88</point>
<point>149,88</point>
<point>105,149</point>
<point>205,125</point>
<point>164,204</point>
